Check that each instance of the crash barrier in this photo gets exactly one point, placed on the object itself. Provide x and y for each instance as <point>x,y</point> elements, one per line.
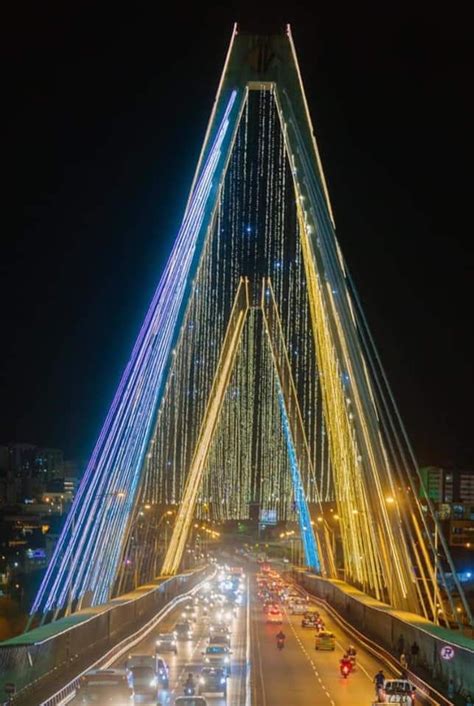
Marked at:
<point>379,628</point>
<point>59,652</point>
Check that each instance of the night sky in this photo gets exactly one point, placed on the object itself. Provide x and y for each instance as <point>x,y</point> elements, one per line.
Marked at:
<point>105,114</point>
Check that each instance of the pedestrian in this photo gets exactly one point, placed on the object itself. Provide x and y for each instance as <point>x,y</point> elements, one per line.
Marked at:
<point>379,681</point>
<point>400,645</point>
<point>403,662</point>
<point>469,700</point>
<point>451,689</point>
<point>414,653</point>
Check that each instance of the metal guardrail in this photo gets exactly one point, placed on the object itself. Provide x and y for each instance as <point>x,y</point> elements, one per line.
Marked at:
<point>430,694</point>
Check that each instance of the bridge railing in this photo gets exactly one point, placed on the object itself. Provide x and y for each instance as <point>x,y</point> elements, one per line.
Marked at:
<point>47,660</point>
<point>377,627</point>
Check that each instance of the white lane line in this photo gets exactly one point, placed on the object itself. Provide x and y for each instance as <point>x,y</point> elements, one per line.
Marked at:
<point>315,603</point>
<point>248,695</point>
<point>257,640</point>
<point>310,659</point>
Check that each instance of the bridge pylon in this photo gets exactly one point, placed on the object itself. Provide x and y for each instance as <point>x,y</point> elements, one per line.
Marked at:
<point>255,375</point>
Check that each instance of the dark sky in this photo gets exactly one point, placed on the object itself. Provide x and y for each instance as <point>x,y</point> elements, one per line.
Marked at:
<point>106,110</point>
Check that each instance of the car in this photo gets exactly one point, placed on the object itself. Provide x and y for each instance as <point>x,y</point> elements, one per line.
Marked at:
<point>311,619</point>
<point>105,686</point>
<point>325,640</point>
<point>212,680</point>
<point>190,612</point>
<point>399,691</point>
<point>217,656</point>
<point>183,630</point>
<point>219,629</point>
<point>220,639</point>
<point>275,616</point>
<point>268,606</point>
<point>289,597</point>
<point>190,701</point>
<point>166,642</point>
<point>226,613</point>
<point>145,673</point>
<point>298,607</point>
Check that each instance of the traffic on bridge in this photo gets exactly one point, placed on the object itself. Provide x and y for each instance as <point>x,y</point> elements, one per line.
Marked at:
<point>245,638</point>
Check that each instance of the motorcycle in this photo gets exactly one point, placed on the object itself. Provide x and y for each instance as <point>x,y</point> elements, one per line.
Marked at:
<point>189,690</point>
<point>345,670</point>
<point>353,662</point>
<point>280,643</point>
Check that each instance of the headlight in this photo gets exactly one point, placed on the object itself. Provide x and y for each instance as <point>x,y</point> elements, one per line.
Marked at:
<point>206,659</point>
<point>202,680</point>
<point>222,680</point>
<point>153,682</point>
<point>226,660</point>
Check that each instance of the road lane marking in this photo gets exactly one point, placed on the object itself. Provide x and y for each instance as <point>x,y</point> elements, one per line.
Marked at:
<point>315,603</point>
<point>248,698</point>
<point>256,641</point>
<point>310,659</point>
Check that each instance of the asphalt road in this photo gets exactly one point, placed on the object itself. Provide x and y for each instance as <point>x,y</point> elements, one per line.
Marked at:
<point>299,675</point>
<point>189,658</point>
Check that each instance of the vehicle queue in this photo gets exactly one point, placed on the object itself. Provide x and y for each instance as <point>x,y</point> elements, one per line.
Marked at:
<point>278,595</point>
<point>146,677</point>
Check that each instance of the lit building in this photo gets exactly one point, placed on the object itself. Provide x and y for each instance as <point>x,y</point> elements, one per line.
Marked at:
<point>25,470</point>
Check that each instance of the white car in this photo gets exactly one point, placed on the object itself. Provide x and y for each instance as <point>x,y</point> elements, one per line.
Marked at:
<point>217,656</point>
<point>166,642</point>
<point>399,691</point>
<point>298,607</point>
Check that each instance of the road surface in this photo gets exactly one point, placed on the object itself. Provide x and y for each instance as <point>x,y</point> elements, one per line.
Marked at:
<point>298,675</point>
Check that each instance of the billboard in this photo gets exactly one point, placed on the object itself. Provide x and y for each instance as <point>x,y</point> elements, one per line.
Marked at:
<point>268,517</point>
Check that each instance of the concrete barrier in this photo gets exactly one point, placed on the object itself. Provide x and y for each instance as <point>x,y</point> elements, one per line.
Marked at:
<point>68,645</point>
<point>385,626</point>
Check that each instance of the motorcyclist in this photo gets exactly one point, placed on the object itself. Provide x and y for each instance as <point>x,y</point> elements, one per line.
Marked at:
<point>280,637</point>
<point>351,651</point>
<point>345,663</point>
<point>189,684</point>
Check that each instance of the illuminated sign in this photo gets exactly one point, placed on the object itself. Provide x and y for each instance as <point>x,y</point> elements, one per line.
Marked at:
<point>447,652</point>
<point>36,554</point>
<point>268,517</point>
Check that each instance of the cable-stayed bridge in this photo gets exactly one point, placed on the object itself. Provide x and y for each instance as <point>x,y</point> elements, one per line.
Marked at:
<point>258,208</point>
<point>255,381</point>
